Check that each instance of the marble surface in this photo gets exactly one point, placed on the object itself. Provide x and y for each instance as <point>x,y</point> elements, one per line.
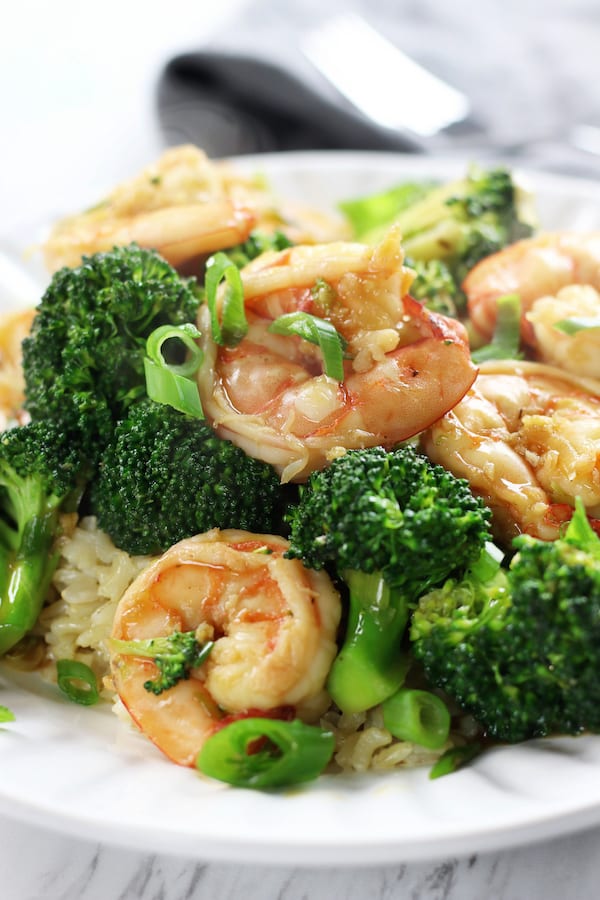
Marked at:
<point>40,865</point>
<point>78,110</point>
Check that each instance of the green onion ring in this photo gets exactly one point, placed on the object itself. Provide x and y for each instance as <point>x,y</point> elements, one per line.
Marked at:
<point>417,716</point>
<point>577,323</point>
<point>454,759</point>
<point>173,384</point>
<point>266,753</point>
<point>184,333</point>
<point>234,326</point>
<point>316,331</point>
<point>69,672</point>
<point>6,715</point>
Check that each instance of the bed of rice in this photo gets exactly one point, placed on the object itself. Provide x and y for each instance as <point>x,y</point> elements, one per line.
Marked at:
<point>91,577</point>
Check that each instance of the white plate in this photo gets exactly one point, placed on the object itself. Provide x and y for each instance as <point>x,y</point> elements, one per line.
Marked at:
<point>82,771</point>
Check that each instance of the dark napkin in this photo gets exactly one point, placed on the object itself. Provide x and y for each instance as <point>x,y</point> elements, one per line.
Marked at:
<point>251,89</point>
<point>530,72</point>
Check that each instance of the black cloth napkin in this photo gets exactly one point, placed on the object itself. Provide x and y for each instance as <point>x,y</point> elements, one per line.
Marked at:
<point>530,70</point>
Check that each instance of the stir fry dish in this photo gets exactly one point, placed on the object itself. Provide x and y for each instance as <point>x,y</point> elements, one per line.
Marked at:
<point>300,491</point>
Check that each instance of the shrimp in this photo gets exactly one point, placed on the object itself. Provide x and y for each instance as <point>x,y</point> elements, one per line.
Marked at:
<point>578,352</point>
<point>273,623</point>
<point>526,437</point>
<point>538,269</point>
<point>178,206</point>
<point>270,395</point>
<point>14,327</point>
<point>185,207</point>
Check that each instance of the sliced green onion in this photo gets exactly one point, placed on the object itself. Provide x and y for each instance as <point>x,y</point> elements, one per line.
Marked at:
<point>6,715</point>
<point>171,383</point>
<point>417,716</point>
<point>323,295</point>
<point>579,531</point>
<point>454,759</point>
<point>234,325</point>
<point>577,323</point>
<point>316,331</point>
<point>172,390</point>
<point>488,562</point>
<point>266,753</point>
<point>507,335</point>
<point>77,682</point>
<point>187,335</point>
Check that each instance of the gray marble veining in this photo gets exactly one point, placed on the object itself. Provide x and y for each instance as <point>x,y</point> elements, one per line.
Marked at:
<point>41,865</point>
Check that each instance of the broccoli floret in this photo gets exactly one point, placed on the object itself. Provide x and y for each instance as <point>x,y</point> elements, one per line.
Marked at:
<point>458,222</point>
<point>84,359</point>
<point>41,476</point>
<point>435,286</point>
<point>389,524</point>
<point>463,221</point>
<point>166,476</point>
<point>258,242</point>
<point>519,648</point>
<point>174,655</point>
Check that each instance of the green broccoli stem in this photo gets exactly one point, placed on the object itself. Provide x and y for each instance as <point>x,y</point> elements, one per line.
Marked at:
<point>443,239</point>
<point>24,578</point>
<point>431,210</point>
<point>9,539</point>
<point>370,665</point>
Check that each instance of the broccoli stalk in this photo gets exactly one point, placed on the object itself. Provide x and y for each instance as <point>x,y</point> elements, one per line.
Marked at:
<point>40,477</point>
<point>369,666</point>
<point>519,648</point>
<point>370,216</point>
<point>388,524</point>
<point>174,655</point>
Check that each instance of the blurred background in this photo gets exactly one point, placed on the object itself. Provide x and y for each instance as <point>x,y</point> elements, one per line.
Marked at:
<point>78,88</point>
<point>92,93</point>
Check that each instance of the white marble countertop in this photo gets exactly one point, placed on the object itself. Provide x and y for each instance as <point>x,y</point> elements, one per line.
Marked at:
<point>41,865</point>
<point>77,108</point>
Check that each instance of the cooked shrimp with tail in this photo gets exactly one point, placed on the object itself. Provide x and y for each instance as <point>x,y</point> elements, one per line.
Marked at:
<point>272,621</point>
<point>178,206</point>
<point>526,436</point>
<point>405,365</point>
<point>185,206</point>
<point>557,277</point>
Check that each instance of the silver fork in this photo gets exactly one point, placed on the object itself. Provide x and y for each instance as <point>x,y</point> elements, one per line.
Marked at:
<point>424,108</point>
<point>429,112</point>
